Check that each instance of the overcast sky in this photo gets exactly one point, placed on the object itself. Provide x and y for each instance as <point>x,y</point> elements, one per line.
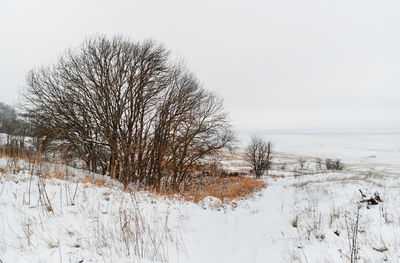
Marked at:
<point>277,64</point>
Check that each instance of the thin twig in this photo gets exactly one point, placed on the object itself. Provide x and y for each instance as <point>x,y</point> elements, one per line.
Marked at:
<point>301,245</point>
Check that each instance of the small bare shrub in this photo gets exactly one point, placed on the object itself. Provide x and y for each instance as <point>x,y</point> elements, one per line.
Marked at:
<point>28,232</point>
<point>302,163</point>
<point>258,155</point>
<point>352,228</point>
<point>333,164</point>
<point>318,163</point>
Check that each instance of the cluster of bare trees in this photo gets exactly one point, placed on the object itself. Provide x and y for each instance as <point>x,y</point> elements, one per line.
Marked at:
<point>14,127</point>
<point>126,109</point>
<point>11,123</point>
<point>8,118</point>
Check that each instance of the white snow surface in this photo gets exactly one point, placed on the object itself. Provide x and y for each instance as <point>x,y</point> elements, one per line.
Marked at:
<point>261,229</point>
<point>351,147</point>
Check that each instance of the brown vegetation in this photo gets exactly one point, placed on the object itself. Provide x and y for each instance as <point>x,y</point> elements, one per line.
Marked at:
<point>224,188</point>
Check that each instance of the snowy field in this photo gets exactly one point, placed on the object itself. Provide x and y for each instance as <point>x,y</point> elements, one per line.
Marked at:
<point>354,146</point>
<point>304,215</point>
<point>375,150</point>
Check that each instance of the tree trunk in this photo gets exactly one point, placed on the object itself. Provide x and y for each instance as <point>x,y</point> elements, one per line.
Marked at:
<point>113,166</point>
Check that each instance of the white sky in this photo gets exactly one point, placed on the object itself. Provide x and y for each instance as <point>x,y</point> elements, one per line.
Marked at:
<point>277,63</point>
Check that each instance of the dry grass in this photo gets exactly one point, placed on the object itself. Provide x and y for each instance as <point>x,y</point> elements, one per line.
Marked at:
<point>295,221</point>
<point>52,245</point>
<point>275,176</point>
<point>19,154</point>
<point>87,179</point>
<point>96,181</point>
<point>342,180</point>
<point>56,174</point>
<point>224,188</point>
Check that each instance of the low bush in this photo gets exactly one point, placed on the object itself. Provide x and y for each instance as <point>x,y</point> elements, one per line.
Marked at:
<point>334,164</point>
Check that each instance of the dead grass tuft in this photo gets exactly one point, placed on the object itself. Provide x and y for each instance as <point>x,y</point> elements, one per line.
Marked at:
<point>52,245</point>
<point>224,188</point>
<point>56,174</point>
<point>59,175</point>
<point>19,154</point>
<point>49,208</point>
<point>96,181</point>
<point>295,221</point>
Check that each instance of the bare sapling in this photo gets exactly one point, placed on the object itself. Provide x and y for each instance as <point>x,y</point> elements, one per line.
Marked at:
<point>258,155</point>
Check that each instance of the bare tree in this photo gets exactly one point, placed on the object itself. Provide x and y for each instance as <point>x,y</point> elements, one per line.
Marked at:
<point>259,154</point>
<point>191,124</point>
<point>126,106</point>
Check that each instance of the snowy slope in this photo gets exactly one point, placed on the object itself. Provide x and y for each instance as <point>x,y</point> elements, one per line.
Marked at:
<point>299,217</point>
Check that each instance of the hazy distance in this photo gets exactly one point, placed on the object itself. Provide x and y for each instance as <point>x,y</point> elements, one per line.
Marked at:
<point>277,64</point>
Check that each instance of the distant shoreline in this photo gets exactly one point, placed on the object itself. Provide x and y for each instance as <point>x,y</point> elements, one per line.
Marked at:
<point>325,131</point>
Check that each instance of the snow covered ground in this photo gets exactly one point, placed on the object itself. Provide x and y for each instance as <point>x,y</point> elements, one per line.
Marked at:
<point>302,216</point>
<point>356,147</point>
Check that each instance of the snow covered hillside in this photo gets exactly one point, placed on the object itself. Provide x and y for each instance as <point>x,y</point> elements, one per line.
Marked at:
<point>305,214</point>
